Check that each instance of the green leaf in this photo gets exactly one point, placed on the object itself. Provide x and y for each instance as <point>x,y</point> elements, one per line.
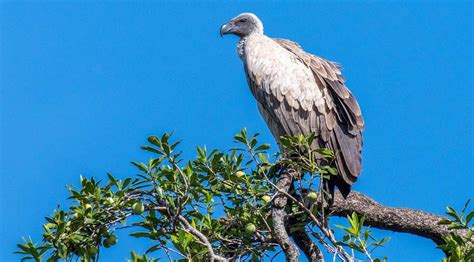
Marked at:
<point>325,152</point>
<point>151,149</point>
<point>240,139</point>
<point>140,234</point>
<point>155,141</point>
<point>140,166</point>
<point>445,222</point>
<point>469,217</point>
<point>262,147</point>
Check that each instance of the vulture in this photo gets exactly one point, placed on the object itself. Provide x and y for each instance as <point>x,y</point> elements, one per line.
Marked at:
<point>300,93</point>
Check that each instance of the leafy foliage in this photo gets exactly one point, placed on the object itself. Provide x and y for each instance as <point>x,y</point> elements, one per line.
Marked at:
<point>217,205</point>
<point>459,248</point>
<point>167,193</point>
<point>360,239</point>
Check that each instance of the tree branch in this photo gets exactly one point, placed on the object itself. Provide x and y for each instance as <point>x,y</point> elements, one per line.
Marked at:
<point>403,220</point>
<point>202,238</point>
<point>279,214</point>
<point>311,250</point>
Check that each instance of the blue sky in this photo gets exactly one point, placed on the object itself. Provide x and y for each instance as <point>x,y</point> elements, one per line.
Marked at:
<point>84,84</point>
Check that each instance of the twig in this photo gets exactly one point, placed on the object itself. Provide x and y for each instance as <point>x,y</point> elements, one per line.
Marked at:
<point>202,238</point>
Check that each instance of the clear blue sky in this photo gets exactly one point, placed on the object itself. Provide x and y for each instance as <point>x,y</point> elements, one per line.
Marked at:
<point>84,84</point>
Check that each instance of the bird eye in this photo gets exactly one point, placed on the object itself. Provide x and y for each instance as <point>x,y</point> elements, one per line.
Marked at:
<point>243,20</point>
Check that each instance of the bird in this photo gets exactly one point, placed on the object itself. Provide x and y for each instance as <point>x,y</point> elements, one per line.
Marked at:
<point>299,93</point>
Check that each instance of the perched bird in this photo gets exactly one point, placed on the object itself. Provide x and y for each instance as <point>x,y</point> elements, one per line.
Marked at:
<point>300,93</point>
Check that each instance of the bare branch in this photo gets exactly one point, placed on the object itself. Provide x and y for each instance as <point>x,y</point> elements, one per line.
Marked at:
<point>311,250</point>
<point>327,232</point>
<point>403,220</point>
<point>279,214</point>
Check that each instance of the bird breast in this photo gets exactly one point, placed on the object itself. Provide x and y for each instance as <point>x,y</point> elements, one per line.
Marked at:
<point>280,73</point>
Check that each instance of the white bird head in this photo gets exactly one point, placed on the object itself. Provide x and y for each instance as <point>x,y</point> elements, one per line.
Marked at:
<point>243,25</point>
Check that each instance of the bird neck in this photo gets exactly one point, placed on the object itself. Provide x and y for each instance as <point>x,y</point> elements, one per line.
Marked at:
<point>241,46</point>
<point>244,40</point>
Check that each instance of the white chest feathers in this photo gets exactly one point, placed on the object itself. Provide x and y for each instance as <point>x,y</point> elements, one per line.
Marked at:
<point>279,72</point>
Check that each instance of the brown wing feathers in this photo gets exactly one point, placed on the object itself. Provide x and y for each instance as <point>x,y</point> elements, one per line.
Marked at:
<point>341,127</point>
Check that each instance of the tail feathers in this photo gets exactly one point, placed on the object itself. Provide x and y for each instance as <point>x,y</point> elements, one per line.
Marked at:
<point>348,155</point>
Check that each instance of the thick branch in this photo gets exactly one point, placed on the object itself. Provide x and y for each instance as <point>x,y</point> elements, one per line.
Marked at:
<point>279,214</point>
<point>404,220</point>
<point>305,243</point>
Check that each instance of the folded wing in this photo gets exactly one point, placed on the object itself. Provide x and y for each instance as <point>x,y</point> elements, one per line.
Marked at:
<point>331,112</point>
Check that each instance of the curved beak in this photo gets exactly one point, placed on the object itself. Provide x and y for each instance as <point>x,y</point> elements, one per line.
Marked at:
<point>225,29</point>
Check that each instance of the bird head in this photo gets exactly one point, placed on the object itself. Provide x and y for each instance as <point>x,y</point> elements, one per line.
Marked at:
<point>243,25</point>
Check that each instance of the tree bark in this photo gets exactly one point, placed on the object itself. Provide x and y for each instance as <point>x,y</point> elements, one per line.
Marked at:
<point>404,220</point>
<point>311,250</point>
<point>279,215</point>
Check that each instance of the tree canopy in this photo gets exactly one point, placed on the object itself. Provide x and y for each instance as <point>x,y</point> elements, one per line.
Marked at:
<point>239,204</point>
